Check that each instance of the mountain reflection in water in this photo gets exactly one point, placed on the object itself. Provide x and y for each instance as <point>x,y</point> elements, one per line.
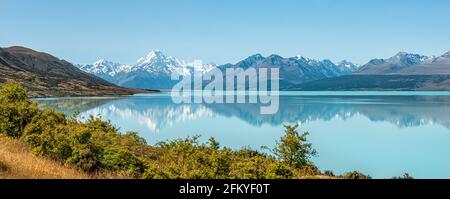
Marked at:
<point>158,112</point>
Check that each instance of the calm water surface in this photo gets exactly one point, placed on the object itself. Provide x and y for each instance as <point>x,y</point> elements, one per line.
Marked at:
<point>383,134</point>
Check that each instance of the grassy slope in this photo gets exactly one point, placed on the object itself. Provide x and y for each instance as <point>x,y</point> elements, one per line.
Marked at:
<point>17,162</point>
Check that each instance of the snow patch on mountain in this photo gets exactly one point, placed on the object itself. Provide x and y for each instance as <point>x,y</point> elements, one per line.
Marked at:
<point>408,59</point>
<point>103,67</point>
<point>155,63</point>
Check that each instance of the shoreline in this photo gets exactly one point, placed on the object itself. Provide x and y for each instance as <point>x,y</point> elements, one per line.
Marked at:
<point>100,96</point>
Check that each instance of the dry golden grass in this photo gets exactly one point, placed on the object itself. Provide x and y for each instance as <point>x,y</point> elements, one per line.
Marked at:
<point>17,162</point>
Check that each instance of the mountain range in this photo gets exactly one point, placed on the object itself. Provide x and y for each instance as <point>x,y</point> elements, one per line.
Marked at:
<point>154,70</point>
<point>45,75</point>
<point>408,64</point>
<point>403,71</point>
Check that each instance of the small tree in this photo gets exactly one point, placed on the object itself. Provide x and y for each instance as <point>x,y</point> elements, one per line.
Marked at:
<point>16,110</point>
<point>293,148</point>
<point>213,143</point>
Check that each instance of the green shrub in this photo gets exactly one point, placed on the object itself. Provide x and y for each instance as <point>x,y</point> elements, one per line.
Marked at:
<point>405,176</point>
<point>329,173</point>
<point>293,148</point>
<point>249,168</point>
<point>280,171</point>
<point>12,92</point>
<point>16,110</point>
<point>355,175</point>
<point>115,159</point>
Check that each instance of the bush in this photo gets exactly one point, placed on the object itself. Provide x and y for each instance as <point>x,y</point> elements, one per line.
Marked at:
<point>280,171</point>
<point>187,158</point>
<point>329,173</point>
<point>16,110</point>
<point>91,146</point>
<point>293,148</point>
<point>355,175</point>
<point>249,168</point>
<point>12,92</point>
<point>116,159</point>
<point>405,176</point>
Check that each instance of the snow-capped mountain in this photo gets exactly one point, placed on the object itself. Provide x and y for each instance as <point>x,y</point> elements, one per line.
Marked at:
<point>408,63</point>
<point>157,63</point>
<point>104,69</point>
<point>296,70</point>
<point>198,67</point>
<point>404,58</point>
<point>346,65</point>
<point>153,71</point>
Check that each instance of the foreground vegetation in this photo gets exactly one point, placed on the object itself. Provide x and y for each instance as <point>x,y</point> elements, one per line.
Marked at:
<point>94,147</point>
<point>16,161</point>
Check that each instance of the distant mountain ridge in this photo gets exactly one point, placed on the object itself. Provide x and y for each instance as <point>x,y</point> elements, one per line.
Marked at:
<point>408,64</point>
<point>103,69</point>
<point>154,69</point>
<point>45,75</point>
<point>401,72</point>
<point>295,70</point>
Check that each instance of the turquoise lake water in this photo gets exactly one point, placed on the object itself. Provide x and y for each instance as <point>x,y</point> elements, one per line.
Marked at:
<point>383,134</point>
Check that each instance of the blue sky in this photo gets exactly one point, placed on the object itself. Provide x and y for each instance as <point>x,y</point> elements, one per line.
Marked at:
<point>82,31</point>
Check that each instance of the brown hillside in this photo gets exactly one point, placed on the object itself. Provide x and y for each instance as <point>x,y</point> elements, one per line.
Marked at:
<point>45,75</point>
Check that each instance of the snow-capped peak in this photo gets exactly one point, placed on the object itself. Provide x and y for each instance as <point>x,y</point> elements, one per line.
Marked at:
<point>151,57</point>
<point>199,67</point>
<point>156,63</point>
<point>307,60</point>
<point>101,61</point>
<point>102,67</point>
<point>407,58</point>
<point>347,64</point>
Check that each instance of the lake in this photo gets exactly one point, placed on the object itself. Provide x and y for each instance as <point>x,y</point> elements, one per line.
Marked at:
<point>383,134</point>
